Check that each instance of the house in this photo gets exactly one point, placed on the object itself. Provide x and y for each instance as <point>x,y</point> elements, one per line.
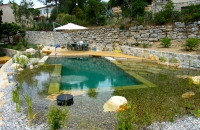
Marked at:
<point>8,15</point>
<point>178,4</point>
<point>45,11</point>
<point>116,10</point>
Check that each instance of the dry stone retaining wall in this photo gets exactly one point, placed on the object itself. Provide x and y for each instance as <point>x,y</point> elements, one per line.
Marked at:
<point>105,39</point>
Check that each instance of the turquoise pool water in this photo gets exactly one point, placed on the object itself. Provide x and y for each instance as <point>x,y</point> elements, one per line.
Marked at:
<point>91,73</point>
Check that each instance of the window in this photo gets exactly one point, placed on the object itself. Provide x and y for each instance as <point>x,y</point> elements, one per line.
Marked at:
<point>46,10</point>
<point>40,11</point>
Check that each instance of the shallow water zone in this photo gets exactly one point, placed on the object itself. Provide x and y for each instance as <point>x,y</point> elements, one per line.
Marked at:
<point>83,73</point>
<point>162,103</point>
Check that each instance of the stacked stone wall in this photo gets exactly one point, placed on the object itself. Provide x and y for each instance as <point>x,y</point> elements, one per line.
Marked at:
<point>108,39</point>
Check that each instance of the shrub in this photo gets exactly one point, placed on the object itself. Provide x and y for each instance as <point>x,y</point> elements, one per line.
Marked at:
<point>102,20</point>
<point>56,117</point>
<point>2,54</point>
<point>24,42</point>
<point>122,27</point>
<point>145,45</point>
<point>166,42</point>
<point>18,47</point>
<point>173,60</point>
<point>137,44</point>
<point>162,59</point>
<point>191,43</point>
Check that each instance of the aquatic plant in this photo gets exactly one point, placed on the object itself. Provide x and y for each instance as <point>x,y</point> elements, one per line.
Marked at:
<point>30,111</point>
<point>92,93</point>
<point>197,113</point>
<point>16,99</point>
<point>56,117</point>
<point>126,118</point>
<point>21,59</point>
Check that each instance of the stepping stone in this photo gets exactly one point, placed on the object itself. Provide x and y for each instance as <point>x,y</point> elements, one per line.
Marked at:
<point>52,97</point>
<point>1,94</point>
<point>3,86</point>
<point>54,88</point>
<point>1,123</point>
<point>2,103</point>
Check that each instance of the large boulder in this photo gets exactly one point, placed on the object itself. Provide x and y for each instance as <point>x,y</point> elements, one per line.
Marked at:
<point>31,50</point>
<point>114,103</point>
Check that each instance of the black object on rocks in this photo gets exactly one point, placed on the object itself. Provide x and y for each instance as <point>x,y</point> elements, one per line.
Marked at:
<point>65,99</point>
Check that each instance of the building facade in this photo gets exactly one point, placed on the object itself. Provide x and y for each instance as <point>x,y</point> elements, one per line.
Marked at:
<point>178,4</point>
<point>45,11</point>
<point>8,15</point>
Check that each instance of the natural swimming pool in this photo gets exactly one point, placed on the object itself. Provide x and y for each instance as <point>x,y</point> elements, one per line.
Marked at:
<point>162,103</point>
<point>83,73</point>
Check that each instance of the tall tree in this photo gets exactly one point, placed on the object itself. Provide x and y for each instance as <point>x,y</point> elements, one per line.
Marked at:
<point>1,13</point>
<point>10,29</point>
<point>94,10</point>
<point>23,15</point>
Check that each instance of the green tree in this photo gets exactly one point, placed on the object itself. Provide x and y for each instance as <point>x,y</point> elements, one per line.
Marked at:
<point>94,10</point>
<point>191,13</point>
<point>78,12</point>
<point>138,7</point>
<point>167,15</point>
<point>54,14</point>
<point>23,13</point>
<point>1,13</point>
<point>10,29</point>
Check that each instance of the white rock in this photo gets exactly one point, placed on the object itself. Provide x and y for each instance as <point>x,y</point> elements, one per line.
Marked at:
<point>114,103</point>
<point>31,67</point>
<point>15,66</point>
<point>30,50</point>
<point>196,79</point>
<point>20,69</point>
<point>23,57</point>
<point>36,66</point>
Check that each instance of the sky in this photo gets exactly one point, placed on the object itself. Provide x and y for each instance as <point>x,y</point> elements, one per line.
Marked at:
<point>36,3</point>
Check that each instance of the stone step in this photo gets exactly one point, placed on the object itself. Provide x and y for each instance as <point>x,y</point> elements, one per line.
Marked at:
<point>54,88</point>
<point>57,70</point>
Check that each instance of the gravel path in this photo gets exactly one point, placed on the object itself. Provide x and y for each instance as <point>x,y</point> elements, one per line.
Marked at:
<point>83,115</point>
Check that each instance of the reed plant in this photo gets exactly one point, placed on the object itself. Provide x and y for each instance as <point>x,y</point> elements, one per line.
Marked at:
<point>30,111</point>
<point>16,99</point>
<point>56,117</point>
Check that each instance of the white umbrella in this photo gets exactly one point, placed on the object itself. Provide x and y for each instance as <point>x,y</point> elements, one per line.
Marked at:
<point>70,26</point>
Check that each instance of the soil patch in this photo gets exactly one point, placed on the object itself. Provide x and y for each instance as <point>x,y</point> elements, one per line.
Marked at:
<point>176,47</point>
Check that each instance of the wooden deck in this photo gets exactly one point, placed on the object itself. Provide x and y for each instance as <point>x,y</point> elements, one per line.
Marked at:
<point>4,59</point>
<point>65,52</point>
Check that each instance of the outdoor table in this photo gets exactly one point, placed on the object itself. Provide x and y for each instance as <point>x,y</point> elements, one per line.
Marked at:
<point>79,46</point>
<point>65,99</point>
